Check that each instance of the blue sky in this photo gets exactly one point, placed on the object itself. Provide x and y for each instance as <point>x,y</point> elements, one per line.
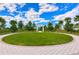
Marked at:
<point>40,13</point>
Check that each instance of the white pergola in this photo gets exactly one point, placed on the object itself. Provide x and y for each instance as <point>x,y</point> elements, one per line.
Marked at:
<point>37,28</point>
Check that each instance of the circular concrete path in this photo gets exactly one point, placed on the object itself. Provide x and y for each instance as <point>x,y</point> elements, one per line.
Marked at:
<point>63,49</point>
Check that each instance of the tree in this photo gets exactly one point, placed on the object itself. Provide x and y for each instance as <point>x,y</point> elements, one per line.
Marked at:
<point>40,28</point>
<point>34,26</point>
<point>13,27</point>
<point>30,26</point>
<point>20,25</point>
<point>71,27</point>
<point>58,26</point>
<point>76,25</point>
<point>45,28</point>
<point>68,19</point>
<point>50,26</point>
<point>76,18</point>
<point>60,23</point>
<point>68,25</point>
<point>2,23</point>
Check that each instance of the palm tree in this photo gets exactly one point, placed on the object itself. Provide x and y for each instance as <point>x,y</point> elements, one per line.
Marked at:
<point>2,23</point>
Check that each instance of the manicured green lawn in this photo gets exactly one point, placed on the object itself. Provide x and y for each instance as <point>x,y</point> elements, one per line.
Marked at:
<point>37,39</point>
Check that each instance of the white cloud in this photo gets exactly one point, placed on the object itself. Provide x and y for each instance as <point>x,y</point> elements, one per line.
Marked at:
<point>21,4</point>
<point>31,15</point>
<point>43,20</point>
<point>7,18</point>
<point>44,7</point>
<point>19,18</point>
<point>2,6</point>
<point>11,7</point>
<point>71,14</point>
<point>40,20</point>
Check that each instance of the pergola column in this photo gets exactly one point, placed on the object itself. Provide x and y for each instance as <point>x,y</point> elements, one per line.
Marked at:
<point>43,28</point>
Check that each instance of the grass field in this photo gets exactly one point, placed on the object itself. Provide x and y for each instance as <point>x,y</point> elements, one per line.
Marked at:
<point>37,39</point>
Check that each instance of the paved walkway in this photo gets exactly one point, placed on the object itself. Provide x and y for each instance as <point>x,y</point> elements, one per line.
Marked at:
<point>64,49</point>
